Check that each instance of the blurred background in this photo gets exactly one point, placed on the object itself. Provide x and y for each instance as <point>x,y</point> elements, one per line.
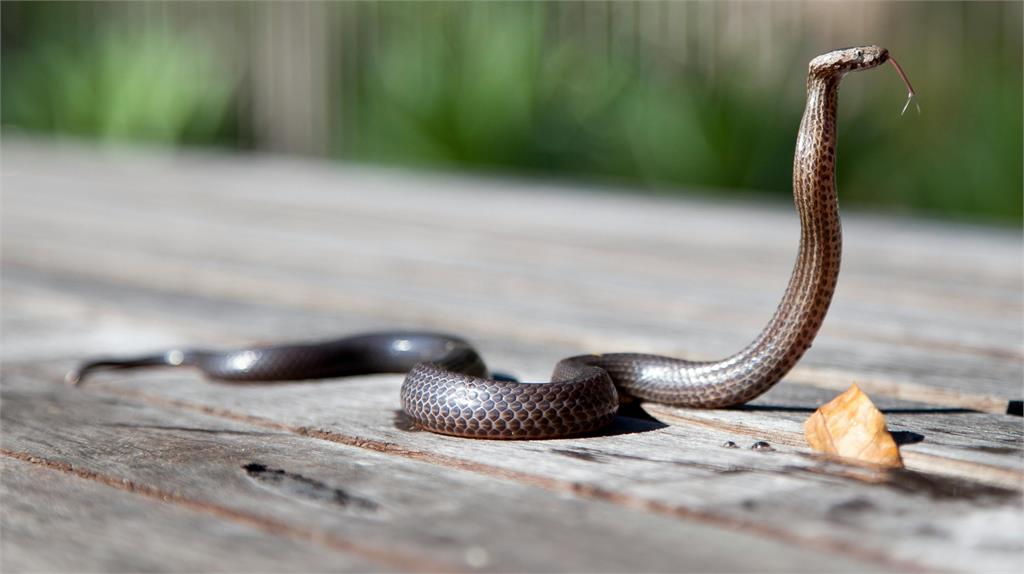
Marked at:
<point>653,97</point>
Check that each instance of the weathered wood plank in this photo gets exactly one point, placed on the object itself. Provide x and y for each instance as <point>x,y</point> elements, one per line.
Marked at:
<point>676,471</point>
<point>992,440</point>
<point>415,514</point>
<point>192,317</point>
<point>943,365</point>
<point>54,520</point>
<point>152,252</point>
<point>580,257</point>
<point>638,471</point>
<point>317,188</point>
<point>918,303</point>
<point>631,298</point>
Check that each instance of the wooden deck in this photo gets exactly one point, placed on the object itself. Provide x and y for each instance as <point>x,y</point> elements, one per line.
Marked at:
<point>159,470</point>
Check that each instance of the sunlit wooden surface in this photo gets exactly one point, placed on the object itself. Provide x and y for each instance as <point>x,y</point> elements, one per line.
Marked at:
<point>127,252</point>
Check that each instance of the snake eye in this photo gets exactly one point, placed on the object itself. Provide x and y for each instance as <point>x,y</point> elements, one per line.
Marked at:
<point>860,53</point>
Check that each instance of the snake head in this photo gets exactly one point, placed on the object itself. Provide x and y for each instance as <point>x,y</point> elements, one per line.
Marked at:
<point>842,61</point>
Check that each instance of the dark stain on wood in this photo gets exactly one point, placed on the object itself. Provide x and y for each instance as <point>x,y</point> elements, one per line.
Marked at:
<point>304,487</point>
<point>594,455</point>
<point>932,531</point>
<point>997,449</point>
<point>581,454</point>
<point>848,511</point>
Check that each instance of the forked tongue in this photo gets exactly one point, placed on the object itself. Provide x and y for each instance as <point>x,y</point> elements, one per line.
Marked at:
<point>910,89</point>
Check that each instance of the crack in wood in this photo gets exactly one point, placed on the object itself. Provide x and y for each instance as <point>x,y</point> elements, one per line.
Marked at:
<point>183,429</point>
<point>591,455</point>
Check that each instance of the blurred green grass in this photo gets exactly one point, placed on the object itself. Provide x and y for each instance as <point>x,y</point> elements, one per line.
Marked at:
<point>115,83</point>
<point>505,87</point>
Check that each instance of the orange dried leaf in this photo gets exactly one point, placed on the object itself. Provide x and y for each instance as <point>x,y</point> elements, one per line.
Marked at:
<point>851,427</point>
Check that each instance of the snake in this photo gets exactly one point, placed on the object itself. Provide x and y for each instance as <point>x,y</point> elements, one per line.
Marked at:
<point>449,390</point>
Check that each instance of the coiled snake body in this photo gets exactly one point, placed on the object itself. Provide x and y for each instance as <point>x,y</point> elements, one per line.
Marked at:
<point>446,389</point>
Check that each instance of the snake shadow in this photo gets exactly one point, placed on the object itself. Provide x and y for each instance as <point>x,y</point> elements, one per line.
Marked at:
<point>632,419</point>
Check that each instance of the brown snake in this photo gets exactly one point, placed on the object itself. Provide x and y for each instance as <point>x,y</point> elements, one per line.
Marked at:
<point>446,389</point>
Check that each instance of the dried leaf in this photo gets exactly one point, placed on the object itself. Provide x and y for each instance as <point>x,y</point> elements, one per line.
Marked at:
<point>851,427</point>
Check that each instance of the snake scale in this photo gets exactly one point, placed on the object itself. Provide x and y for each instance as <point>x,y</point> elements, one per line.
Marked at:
<point>447,389</point>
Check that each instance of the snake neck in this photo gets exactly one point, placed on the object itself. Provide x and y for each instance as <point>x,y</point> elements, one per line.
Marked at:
<point>800,313</point>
